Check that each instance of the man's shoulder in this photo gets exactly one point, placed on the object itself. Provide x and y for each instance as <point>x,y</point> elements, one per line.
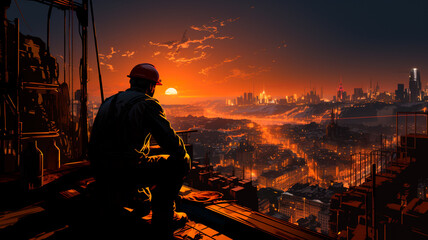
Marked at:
<point>137,98</point>
<point>154,104</point>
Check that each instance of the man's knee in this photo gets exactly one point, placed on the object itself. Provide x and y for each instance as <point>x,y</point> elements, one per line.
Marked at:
<point>181,165</point>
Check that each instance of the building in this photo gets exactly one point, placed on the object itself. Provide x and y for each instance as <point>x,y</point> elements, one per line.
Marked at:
<point>341,94</point>
<point>245,157</point>
<point>304,200</point>
<point>415,85</point>
<point>250,98</point>
<point>400,93</point>
<point>312,97</point>
<point>264,206</point>
<point>393,207</point>
<point>284,179</point>
<point>358,94</point>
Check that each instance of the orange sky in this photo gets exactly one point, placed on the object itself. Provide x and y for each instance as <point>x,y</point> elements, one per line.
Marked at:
<point>220,49</point>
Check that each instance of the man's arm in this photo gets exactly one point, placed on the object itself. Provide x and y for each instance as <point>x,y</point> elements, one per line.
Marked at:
<point>162,131</point>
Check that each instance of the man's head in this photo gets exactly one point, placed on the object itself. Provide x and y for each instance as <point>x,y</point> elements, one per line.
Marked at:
<point>146,77</point>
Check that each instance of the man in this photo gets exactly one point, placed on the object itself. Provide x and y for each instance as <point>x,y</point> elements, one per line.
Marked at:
<point>119,151</point>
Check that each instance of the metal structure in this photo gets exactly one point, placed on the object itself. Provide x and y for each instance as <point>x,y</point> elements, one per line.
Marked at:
<point>12,84</point>
<point>409,137</point>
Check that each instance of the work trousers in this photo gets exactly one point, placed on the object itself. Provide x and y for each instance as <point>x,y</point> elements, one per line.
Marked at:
<point>163,174</point>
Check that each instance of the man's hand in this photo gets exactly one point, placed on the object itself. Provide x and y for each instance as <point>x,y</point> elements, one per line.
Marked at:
<point>189,163</point>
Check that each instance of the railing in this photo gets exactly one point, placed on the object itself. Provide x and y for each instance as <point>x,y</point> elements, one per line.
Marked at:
<point>404,142</point>
<point>184,134</point>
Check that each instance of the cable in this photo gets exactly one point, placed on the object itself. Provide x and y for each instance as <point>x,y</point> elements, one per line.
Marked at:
<point>96,52</point>
<point>23,18</point>
<point>49,28</point>
<point>65,44</point>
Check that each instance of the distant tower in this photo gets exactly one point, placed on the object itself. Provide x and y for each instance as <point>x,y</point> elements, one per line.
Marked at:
<point>250,98</point>
<point>415,85</point>
<point>340,95</point>
<point>370,91</point>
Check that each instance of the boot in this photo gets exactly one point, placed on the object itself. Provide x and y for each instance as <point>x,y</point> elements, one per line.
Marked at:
<point>179,219</point>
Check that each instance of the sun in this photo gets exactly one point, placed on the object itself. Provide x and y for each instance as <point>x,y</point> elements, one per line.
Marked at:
<point>171,91</point>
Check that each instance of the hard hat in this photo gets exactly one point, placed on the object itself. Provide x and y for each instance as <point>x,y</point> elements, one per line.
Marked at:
<point>145,71</point>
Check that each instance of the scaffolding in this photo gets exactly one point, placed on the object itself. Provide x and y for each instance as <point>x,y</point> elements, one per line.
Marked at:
<point>12,84</point>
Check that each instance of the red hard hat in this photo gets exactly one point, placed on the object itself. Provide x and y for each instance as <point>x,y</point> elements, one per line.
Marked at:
<point>145,71</point>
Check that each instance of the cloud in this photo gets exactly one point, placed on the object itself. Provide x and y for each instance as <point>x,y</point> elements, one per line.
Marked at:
<point>175,47</point>
<point>106,59</point>
<point>228,60</point>
<point>109,55</point>
<point>238,73</point>
<point>188,60</point>
<point>205,71</point>
<point>243,74</point>
<point>110,67</point>
<point>169,44</point>
<point>187,43</point>
<point>128,54</point>
<point>113,51</point>
<point>202,47</point>
<point>223,23</point>
<point>205,28</point>
<point>214,25</point>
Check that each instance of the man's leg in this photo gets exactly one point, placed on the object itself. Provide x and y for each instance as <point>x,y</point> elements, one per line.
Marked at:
<point>166,174</point>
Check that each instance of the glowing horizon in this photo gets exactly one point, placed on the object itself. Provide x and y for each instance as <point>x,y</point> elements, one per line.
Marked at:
<point>208,51</point>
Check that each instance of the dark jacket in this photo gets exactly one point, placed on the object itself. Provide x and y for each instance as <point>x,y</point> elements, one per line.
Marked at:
<point>124,125</point>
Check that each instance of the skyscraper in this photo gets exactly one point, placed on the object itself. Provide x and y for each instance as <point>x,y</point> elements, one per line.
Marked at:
<point>250,98</point>
<point>399,93</point>
<point>340,92</point>
<point>415,85</point>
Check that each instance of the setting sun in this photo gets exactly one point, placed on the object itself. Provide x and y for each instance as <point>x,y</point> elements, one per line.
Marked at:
<point>171,91</point>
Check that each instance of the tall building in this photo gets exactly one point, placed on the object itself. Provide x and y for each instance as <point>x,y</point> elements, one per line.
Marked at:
<point>399,93</point>
<point>377,88</point>
<point>358,93</point>
<point>415,85</point>
<point>250,98</point>
<point>341,94</point>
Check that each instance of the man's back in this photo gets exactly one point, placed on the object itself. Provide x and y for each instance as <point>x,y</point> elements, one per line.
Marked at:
<point>125,123</point>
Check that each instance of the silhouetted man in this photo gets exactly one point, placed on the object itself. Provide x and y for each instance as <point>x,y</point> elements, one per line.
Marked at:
<point>119,151</point>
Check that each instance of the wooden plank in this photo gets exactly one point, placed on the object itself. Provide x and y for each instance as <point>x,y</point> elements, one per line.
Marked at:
<point>255,220</point>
